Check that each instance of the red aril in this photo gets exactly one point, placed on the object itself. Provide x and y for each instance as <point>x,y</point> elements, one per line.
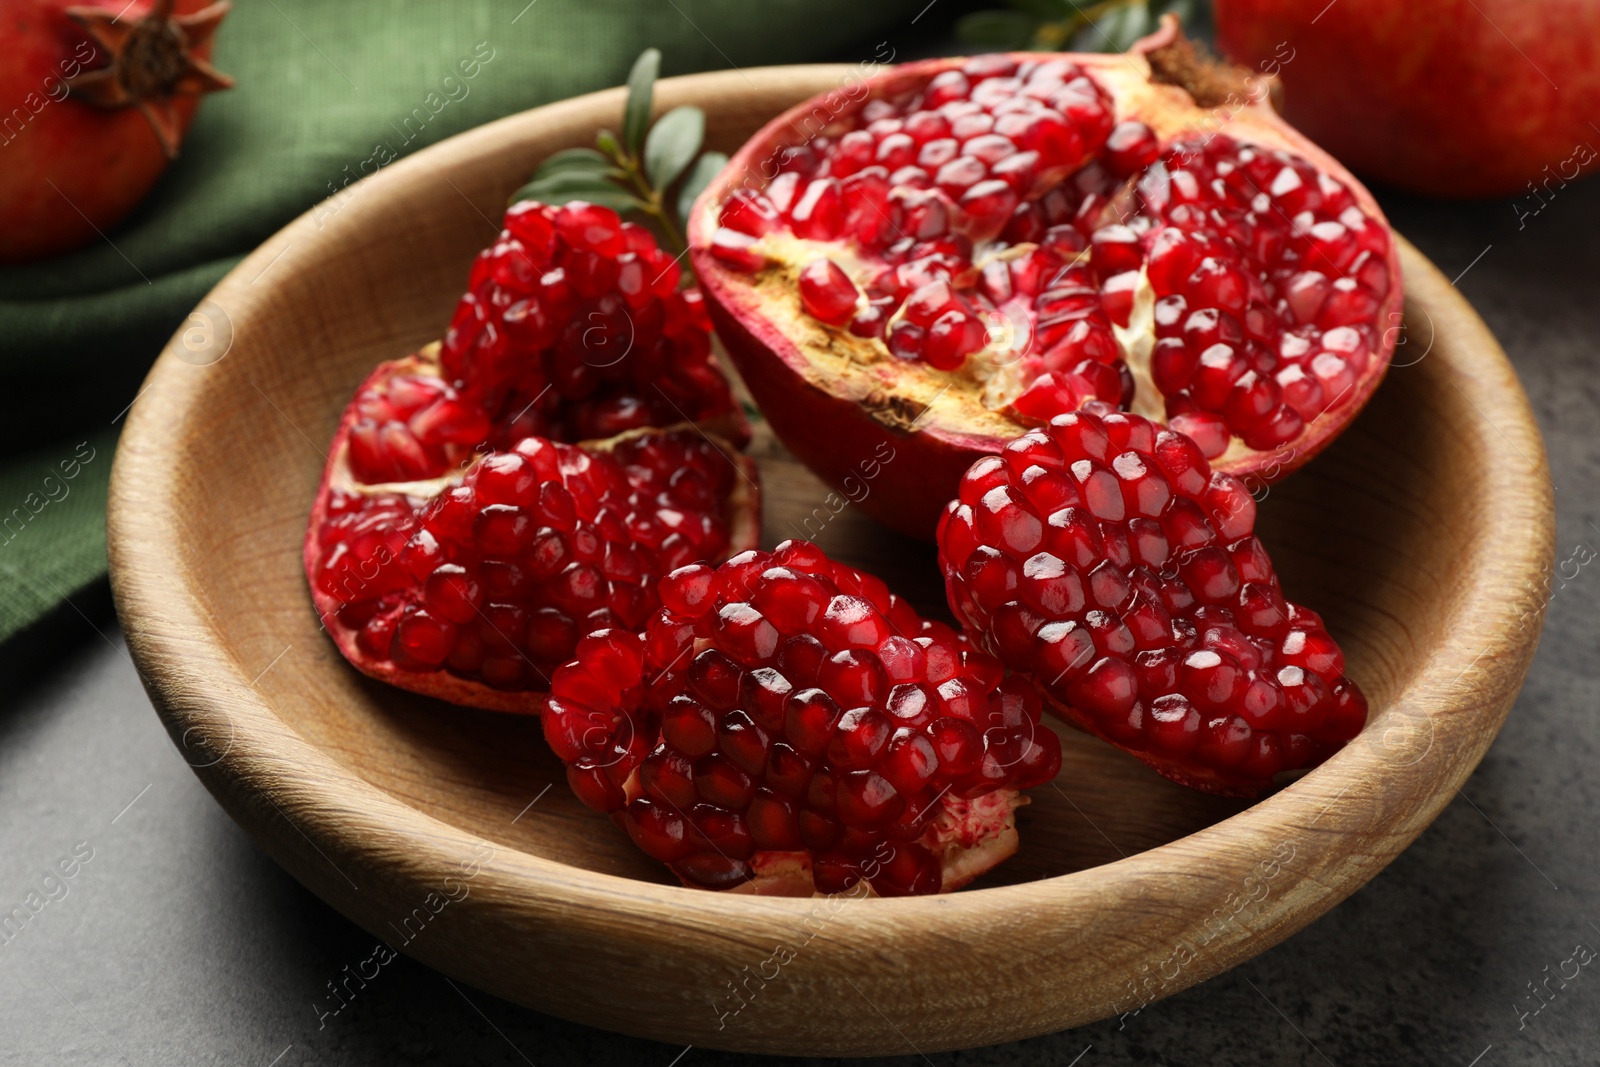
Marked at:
<point>491,499</point>
<point>786,725</point>
<point>1103,556</point>
<point>1020,235</point>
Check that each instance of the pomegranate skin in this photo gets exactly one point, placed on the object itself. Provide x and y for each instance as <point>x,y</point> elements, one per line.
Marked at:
<point>73,169</point>
<point>889,453</point>
<point>874,455</point>
<point>1453,98</point>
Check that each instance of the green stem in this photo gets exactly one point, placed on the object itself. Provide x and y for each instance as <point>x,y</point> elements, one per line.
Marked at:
<point>651,198</point>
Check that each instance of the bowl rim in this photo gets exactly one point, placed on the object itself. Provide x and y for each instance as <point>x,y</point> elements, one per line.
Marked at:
<point>1462,689</point>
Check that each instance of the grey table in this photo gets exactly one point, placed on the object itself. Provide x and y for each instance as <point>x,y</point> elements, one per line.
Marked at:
<point>176,941</point>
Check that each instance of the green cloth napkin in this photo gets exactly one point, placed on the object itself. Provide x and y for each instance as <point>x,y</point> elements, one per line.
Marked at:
<point>320,86</point>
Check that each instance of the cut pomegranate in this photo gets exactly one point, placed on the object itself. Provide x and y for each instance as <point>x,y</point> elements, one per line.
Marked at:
<point>1103,555</point>
<point>786,725</point>
<point>459,546</point>
<point>978,245</point>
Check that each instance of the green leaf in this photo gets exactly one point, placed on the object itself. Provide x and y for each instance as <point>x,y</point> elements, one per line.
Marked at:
<point>1054,36</point>
<point>997,29</point>
<point>1136,24</point>
<point>569,180</point>
<point>672,144</point>
<point>1044,10</point>
<point>1121,27</point>
<point>578,185</point>
<point>707,167</point>
<point>641,94</point>
<point>573,160</point>
<point>606,142</point>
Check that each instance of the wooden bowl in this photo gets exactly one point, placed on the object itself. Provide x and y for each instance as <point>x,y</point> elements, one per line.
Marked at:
<point>1423,535</point>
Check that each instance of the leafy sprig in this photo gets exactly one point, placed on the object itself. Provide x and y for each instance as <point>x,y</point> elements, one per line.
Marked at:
<point>638,172</point>
<point>1056,25</point>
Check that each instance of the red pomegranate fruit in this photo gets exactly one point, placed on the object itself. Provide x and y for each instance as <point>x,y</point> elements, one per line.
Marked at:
<point>969,247</point>
<point>496,496</point>
<point>1459,98</point>
<point>786,725</point>
<point>1102,555</point>
<point>99,94</point>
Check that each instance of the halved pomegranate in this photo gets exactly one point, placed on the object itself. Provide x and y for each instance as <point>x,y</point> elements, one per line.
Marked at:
<point>973,246</point>
<point>786,725</point>
<point>458,546</point>
<point>1103,556</point>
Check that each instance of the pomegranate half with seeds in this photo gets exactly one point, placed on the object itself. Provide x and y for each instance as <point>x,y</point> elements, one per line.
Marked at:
<point>786,725</point>
<point>970,247</point>
<point>1103,555</point>
<point>494,497</point>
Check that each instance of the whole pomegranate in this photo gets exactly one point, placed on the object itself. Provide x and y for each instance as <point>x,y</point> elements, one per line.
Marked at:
<point>96,97</point>
<point>1456,98</point>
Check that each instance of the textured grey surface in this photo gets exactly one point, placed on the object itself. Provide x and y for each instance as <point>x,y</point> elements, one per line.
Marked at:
<point>179,942</point>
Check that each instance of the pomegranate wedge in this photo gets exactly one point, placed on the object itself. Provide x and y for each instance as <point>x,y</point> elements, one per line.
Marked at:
<point>1104,557</point>
<point>785,725</point>
<point>469,529</point>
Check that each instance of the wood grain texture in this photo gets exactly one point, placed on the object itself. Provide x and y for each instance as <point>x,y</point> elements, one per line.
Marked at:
<point>1424,536</point>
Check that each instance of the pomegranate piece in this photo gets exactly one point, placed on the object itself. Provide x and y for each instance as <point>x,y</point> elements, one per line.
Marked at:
<point>1021,235</point>
<point>574,328</point>
<point>786,725</point>
<point>477,587</point>
<point>1102,555</point>
<point>471,527</point>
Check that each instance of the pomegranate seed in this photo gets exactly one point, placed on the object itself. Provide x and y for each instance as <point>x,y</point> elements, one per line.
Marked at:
<point>827,293</point>
<point>952,337</point>
<point>1333,375</point>
<point>924,126</point>
<point>1301,391</point>
<point>750,213</point>
<point>819,213</point>
<point>1115,249</point>
<point>591,227</point>
<point>1130,147</point>
<point>935,154</point>
<point>987,206</point>
<point>906,340</point>
<point>737,250</point>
